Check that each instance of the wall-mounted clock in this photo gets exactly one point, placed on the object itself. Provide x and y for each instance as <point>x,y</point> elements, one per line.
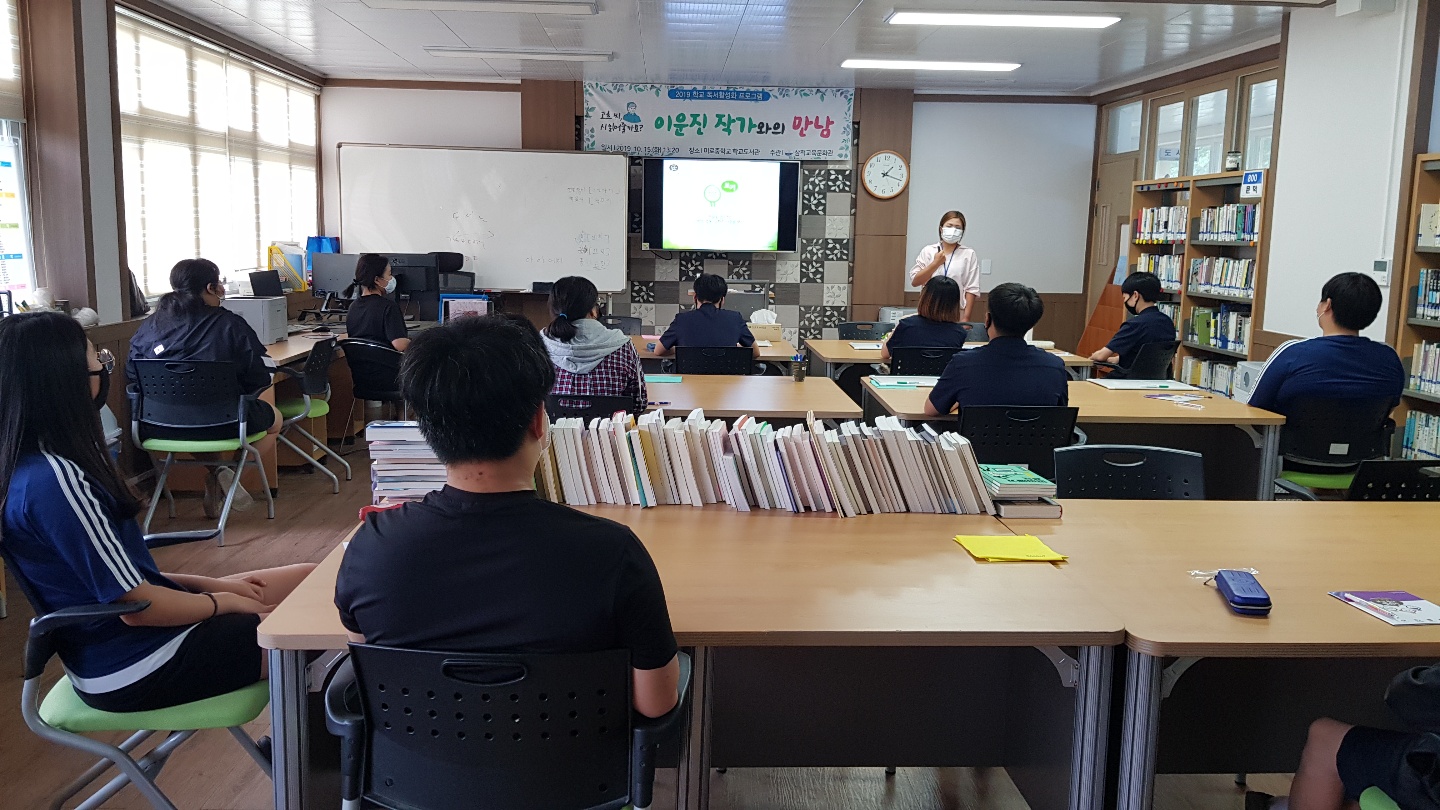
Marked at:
<point>885,174</point>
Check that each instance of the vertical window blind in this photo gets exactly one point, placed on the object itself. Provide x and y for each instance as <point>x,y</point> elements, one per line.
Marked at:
<point>218,153</point>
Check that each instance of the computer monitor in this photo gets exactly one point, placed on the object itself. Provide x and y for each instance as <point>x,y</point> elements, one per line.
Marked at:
<point>331,273</point>
<point>417,281</point>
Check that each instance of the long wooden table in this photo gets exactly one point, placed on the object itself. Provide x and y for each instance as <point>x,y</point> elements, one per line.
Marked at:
<point>768,590</point>
<point>838,355</point>
<point>761,397</point>
<point>1101,406</point>
<point>1253,684</point>
<point>779,351</point>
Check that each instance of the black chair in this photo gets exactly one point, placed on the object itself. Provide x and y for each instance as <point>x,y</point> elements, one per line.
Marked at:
<point>1128,472</point>
<point>920,361</point>
<point>314,403</point>
<point>865,330</point>
<point>195,395</point>
<point>457,281</point>
<point>1326,439</point>
<point>374,369</point>
<point>558,406</point>
<point>444,731</point>
<point>975,332</point>
<point>1019,435</point>
<point>1153,361</point>
<point>624,324</point>
<point>714,360</point>
<point>1388,480</point>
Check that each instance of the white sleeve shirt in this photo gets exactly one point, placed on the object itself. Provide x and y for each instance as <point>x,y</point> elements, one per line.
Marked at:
<point>963,266</point>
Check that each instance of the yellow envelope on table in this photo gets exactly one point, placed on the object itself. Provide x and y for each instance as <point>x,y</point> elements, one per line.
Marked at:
<point>1008,548</point>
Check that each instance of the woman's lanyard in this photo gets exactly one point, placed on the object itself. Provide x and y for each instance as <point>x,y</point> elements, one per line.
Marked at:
<point>949,259</point>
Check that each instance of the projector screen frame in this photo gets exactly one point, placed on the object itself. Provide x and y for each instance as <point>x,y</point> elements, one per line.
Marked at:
<point>652,219</point>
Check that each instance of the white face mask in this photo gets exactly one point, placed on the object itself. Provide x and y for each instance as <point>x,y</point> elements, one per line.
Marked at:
<point>951,236</point>
<point>390,286</point>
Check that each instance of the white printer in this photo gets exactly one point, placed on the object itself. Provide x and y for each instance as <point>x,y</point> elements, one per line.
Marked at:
<point>1247,373</point>
<point>267,316</point>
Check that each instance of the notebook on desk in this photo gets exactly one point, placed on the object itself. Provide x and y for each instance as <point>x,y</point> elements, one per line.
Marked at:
<point>860,345</point>
<point>1143,385</point>
<point>903,382</point>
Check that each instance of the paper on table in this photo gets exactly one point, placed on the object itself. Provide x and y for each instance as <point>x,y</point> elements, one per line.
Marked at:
<point>1392,607</point>
<point>903,382</point>
<point>1143,385</point>
<point>865,346</point>
<point>764,344</point>
<point>1007,548</point>
<point>651,379</point>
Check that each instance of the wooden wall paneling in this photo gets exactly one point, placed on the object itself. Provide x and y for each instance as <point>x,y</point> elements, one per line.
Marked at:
<point>881,225</point>
<point>1260,337</point>
<point>547,114</point>
<point>880,267</point>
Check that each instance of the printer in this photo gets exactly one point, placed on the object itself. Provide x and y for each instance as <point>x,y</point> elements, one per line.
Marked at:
<point>266,315</point>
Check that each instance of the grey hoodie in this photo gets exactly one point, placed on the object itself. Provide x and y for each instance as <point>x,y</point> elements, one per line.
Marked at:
<point>592,344</point>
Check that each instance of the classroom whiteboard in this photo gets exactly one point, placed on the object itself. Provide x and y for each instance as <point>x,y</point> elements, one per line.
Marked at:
<point>518,217</point>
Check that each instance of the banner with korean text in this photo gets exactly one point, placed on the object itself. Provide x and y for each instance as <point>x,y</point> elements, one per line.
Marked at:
<point>764,123</point>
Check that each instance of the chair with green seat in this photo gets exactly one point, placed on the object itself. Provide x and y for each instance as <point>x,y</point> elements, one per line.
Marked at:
<point>198,395</point>
<point>1375,799</point>
<point>1324,440</point>
<point>314,403</point>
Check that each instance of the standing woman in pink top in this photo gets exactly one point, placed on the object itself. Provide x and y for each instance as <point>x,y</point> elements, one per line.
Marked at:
<point>950,258</point>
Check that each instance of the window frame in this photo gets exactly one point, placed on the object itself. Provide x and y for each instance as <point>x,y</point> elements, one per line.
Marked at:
<point>1247,85</point>
<point>1149,139</point>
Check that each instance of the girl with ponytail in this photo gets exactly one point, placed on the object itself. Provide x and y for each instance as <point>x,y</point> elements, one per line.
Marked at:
<point>375,316</point>
<point>590,360</point>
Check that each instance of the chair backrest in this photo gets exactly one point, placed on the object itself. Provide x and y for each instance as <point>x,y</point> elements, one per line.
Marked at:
<point>316,381</point>
<point>586,407</point>
<point>1121,471</point>
<point>1019,435</point>
<point>446,730</point>
<point>187,393</point>
<point>926,361</point>
<point>624,324</point>
<point>453,281</point>
<point>865,330</point>
<point>714,360</point>
<point>1153,361</point>
<point>1338,432</point>
<point>374,368</point>
<point>975,332</point>
<point>1408,480</point>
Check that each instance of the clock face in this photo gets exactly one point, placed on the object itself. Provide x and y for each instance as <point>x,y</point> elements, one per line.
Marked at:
<point>885,175</point>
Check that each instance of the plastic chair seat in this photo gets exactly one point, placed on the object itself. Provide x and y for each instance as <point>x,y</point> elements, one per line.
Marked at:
<point>295,407</point>
<point>1319,480</point>
<point>1375,799</point>
<point>198,446</point>
<point>64,709</point>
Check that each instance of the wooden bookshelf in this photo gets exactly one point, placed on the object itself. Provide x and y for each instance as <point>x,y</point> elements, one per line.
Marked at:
<point>1199,193</point>
<point>1413,329</point>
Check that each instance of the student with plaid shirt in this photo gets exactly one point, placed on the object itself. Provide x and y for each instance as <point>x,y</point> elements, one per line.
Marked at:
<point>590,360</point>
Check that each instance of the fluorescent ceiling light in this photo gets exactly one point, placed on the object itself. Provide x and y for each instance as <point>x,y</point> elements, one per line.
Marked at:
<point>1001,20</point>
<point>537,56</point>
<point>911,64</point>
<point>513,6</point>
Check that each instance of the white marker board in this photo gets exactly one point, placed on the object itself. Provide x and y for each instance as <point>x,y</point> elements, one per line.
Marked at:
<point>518,217</point>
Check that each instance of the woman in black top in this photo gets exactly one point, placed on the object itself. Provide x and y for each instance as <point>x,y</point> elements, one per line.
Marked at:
<point>937,325</point>
<point>374,315</point>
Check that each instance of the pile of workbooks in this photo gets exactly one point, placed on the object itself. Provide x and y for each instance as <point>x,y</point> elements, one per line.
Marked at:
<point>402,466</point>
<point>854,469</point>
<point>1018,492</point>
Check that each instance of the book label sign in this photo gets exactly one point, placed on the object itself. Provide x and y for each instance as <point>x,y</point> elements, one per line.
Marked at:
<point>1252,184</point>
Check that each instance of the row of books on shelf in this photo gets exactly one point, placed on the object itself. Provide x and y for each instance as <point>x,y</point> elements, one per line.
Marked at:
<point>1167,223</point>
<point>1222,276</point>
<point>1211,375</point>
<point>1425,368</point>
<point>1170,308</point>
<point>1226,327</point>
<point>1427,294</point>
<point>1165,266</point>
<point>1228,223</point>
<point>1428,231</point>
<point>1422,436</point>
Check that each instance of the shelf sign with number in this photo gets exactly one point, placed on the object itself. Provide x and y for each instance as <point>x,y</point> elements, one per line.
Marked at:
<point>1252,184</point>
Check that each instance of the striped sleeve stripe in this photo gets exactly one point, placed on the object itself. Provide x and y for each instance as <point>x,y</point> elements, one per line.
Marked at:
<point>97,525</point>
<point>1270,363</point>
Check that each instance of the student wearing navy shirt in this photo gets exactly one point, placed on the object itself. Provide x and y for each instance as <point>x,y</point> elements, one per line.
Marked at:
<point>936,323</point>
<point>1007,370</point>
<point>69,532</point>
<point>708,324</point>
<point>1339,364</point>
<point>1148,324</point>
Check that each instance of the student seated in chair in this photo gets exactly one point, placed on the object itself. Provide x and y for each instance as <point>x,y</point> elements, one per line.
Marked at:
<point>590,359</point>
<point>1341,761</point>
<point>375,316</point>
<point>69,529</point>
<point>936,322</point>
<point>1339,364</point>
<point>708,324</point>
<point>190,324</point>
<point>1149,325</point>
<point>485,564</point>
<point>1007,370</point>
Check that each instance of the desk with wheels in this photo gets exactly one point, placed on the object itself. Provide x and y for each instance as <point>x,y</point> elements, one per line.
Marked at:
<point>762,397</point>
<point>822,641</point>
<point>1208,691</point>
<point>1241,444</point>
<point>839,355</point>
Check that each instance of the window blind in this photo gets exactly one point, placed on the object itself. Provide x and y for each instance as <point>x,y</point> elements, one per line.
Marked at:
<point>218,153</point>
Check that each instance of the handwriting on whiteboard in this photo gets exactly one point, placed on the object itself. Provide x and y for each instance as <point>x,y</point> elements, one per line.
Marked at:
<point>592,195</point>
<point>469,233</point>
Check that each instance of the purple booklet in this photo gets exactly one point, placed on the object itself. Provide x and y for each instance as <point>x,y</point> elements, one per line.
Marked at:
<point>1392,607</point>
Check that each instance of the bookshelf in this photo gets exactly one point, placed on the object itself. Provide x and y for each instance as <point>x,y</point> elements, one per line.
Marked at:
<point>1214,265</point>
<point>1419,411</point>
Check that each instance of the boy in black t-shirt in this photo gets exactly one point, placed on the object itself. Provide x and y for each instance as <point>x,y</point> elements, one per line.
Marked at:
<point>484,564</point>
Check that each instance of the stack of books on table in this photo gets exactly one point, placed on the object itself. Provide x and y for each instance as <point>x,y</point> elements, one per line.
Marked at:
<point>849,470</point>
<point>403,468</point>
<point>1018,492</point>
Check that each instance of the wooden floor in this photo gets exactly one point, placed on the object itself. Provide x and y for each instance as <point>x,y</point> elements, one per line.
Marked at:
<point>211,773</point>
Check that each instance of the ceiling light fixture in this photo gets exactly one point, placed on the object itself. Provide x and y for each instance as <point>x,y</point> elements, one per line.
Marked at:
<point>501,6</point>
<point>912,64</point>
<point>535,56</point>
<point>1001,20</point>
